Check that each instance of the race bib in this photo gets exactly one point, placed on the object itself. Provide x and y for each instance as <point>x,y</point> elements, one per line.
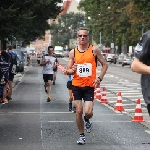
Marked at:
<point>84,70</point>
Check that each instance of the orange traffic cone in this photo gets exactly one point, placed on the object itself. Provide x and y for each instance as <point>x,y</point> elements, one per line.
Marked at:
<point>104,98</point>
<point>138,117</point>
<point>98,93</point>
<point>119,106</point>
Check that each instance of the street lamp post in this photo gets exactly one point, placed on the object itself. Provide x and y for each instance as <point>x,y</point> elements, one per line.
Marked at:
<point>100,38</point>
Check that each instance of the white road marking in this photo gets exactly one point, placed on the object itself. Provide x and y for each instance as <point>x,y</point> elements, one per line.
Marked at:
<point>111,97</point>
<point>123,90</point>
<point>114,86</point>
<point>132,85</point>
<point>2,114</point>
<point>134,96</point>
<point>60,121</point>
<point>137,99</point>
<point>129,109</point>
<point>147,131</point>
<point>120,121</point>
<point>36,113</point>
<point>112,102</point>
<point>128,104</point>
<point>123,93</point>
<point>113,121</point>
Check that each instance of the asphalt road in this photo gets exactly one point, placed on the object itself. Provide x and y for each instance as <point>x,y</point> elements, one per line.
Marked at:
<point>30,123</point>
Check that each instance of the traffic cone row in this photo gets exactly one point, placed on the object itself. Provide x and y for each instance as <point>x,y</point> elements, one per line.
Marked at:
<point>138,117</point>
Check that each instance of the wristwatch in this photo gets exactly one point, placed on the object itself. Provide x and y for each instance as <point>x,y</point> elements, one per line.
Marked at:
<point>100,79</point>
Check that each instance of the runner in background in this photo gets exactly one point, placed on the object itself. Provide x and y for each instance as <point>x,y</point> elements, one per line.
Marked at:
<point>48,64</point>
<point>69,86</point>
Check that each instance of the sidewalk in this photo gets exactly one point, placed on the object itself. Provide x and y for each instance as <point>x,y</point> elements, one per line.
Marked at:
<point>18,77</point>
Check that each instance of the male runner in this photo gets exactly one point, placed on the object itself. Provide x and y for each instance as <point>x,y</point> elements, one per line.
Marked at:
<point>82,64</point>
<point>48,64</point>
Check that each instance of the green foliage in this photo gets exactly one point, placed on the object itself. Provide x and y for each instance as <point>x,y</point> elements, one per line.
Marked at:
<point>66,28</point>
<point>26,20</point>
<point>120,21</point>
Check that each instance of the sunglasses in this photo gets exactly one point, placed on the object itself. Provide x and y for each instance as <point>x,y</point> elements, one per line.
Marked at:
<point>82,35</point>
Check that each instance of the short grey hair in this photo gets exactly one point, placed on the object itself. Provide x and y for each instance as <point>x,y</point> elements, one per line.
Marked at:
<point>82,28</point>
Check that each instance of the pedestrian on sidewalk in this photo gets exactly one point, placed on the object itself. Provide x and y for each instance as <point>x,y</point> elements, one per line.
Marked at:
<point>12,70</point>
<point>141,64</point>
<point>4,75</point>
<point>82,64</point>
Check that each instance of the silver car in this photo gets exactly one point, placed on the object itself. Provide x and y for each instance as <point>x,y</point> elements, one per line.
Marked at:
<point>120,59</point>
<point>127,60</point>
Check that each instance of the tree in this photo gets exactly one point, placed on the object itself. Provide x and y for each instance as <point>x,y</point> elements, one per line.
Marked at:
<point>66,28</point>
<point>120,21</point>
<point>26,20</point>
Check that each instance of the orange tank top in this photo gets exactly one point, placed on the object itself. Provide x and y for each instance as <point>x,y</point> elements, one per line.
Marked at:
<point>86,68</point>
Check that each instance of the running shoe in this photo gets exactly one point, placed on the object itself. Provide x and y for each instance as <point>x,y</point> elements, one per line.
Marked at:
<point>88,126</point>
<point>81,140</point>
<point>70,106</point>
<point>5,101</point>
<point>53,82</point>
<point>9,98</point>
<point>48,99</point>
<point>74,110</point>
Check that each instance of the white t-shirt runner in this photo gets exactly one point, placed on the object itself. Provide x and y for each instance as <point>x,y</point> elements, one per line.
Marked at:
<point>48,69</point>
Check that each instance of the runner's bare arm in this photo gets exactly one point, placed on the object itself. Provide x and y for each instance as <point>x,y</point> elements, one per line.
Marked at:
<point>69,70</point>
<point>97,52</point>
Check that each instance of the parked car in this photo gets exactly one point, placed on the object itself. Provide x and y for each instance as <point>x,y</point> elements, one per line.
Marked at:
<point>120,59</point>
<point>127,60</point>
<point>110,57</point>
<point>20,64</point>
